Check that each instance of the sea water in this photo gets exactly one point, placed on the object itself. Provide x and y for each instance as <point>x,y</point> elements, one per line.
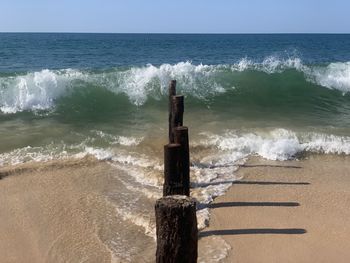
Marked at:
<point>67,96</point>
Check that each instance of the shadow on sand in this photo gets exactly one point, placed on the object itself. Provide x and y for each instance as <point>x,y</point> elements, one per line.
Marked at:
<point>248,183</point>
<point>254,231</point>
<point>237,204</point>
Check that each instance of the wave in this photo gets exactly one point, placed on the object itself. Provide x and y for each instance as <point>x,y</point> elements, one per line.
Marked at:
<point>43,90</point>
<point>277,144</point>
<point>269,65</point>
<point>333,76</point>
<point>35,91</point>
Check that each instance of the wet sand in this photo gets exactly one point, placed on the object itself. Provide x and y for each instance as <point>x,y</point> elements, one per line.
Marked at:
<point>65,211</point>
<point>295,211</point>
<point>47,212</point>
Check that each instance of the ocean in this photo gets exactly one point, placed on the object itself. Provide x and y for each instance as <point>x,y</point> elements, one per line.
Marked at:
<point>277,96</point>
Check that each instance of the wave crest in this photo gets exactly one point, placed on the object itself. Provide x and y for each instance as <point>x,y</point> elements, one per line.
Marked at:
<point>269,65</point>
<point>41,90</point>
<point>141,82</point>
<point>35,91</point>
<point>334,76</point>
<point>278,144</point>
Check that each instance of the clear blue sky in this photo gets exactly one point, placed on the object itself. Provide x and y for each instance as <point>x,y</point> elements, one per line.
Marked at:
<point>175,16</point>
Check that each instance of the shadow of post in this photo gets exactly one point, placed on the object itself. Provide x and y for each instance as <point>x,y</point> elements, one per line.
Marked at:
<point>254,231</point>
<point>238,204</point>
<point>195,185</point>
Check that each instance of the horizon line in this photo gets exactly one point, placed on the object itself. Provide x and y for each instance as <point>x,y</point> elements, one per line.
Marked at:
<point>178,33</point>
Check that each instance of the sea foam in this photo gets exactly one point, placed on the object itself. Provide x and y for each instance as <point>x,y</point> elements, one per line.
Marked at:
<point>35,91</point>
<point>334,76</point>
<point>277,144</point>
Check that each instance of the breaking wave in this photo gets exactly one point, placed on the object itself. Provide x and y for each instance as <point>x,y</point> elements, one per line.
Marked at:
<point>277,144</point>
<point>43,90</point>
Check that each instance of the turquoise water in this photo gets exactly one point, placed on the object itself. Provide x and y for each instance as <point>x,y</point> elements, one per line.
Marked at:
<point>72,95</point>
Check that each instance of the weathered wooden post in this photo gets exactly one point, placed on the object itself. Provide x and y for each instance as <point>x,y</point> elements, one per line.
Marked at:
<point>176,221</point>
<point>172,170</point>
<point>181,137</point>
<point>177,233</point>
<point>171,92</point>
<point>177,111</point>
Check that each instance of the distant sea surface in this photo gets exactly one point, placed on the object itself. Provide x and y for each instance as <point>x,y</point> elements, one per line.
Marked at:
<point>279,96</point>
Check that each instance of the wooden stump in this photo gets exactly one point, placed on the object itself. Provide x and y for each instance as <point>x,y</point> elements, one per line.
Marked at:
<point>177,233</point>
<point>177,111</point>
<point>172,92</point>
<point>181,137</point>
<point>172,89</point>
<point>172,175</point>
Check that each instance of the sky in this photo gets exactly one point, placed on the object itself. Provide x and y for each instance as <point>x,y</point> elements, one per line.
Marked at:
<point>176,16</point>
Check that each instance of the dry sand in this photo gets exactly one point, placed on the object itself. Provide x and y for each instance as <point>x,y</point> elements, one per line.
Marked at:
<point>295,211</point>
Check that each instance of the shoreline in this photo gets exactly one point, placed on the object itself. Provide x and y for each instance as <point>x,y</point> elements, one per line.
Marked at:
<point>59,211</point>
<point>289,211</point>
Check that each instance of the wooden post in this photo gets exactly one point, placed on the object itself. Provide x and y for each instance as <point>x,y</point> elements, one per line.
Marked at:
<point>172,175</point>
<point>172,92</point>
<point>176,228</point>
<point>181,137</point>
<point>177,111</point>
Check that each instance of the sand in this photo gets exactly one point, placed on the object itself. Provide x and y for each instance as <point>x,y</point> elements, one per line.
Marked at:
<point>295,211</point>
<point>47,212</point>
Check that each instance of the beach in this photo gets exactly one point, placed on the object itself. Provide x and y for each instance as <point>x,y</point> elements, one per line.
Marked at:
<point>57,212</point>
<point>47,213</point>
<point>292,211</point>
<point>84,120</point>
<point>174,132</point>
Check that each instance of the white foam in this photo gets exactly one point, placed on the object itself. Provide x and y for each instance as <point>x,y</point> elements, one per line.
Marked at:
<point>121,140</point>
<point>141,220</point>
<point>35,154</point>
<point>329,144</point>
<point>203,216</point>
<point>242,65</point>
<point>270,65</point>
<point>139,83</point>
<point>35,91</point>
<point>333,76</point>
<point>212,249</point>
<point>154,193</point>
<point>278,144</point>
<point>137,160</point>
<point>98,153</point>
